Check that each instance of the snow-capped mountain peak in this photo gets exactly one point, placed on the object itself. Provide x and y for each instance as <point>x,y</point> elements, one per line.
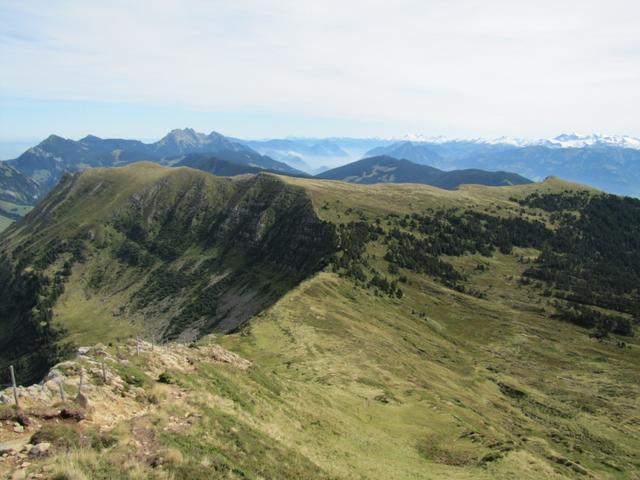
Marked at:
<point>417,137</point>
<point>576,140</point>
<point>564,140</point>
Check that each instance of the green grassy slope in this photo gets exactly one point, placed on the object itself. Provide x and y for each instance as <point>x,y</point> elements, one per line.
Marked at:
<point>174,252</point>
<point>471,390</point>
<point>467,378</point>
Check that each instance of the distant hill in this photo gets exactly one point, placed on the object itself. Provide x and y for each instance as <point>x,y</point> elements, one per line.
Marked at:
<point>386,169</point>
<point>50,159</point>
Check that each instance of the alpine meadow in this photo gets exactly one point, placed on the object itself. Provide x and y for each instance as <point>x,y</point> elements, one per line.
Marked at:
<point>315,293</point>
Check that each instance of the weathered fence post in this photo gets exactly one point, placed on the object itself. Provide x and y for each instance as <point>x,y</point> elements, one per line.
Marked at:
<point>61,387</point>
<point>81,382</point>
<point>118,356</point>
<point>15,388</point>
<point>138,345</point>
<point>104,372</point>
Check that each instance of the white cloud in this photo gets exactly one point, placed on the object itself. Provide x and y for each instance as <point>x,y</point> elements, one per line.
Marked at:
<point>464,67</point>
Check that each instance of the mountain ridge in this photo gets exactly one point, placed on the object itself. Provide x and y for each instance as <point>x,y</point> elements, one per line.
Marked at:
<point>46,162</point>
<point>386,169</point>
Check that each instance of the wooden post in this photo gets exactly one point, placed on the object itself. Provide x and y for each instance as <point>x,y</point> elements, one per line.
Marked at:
<point>104,372</point>
<point>118,351</point>
<point>81,380</point>
<point>61,386</point>
<point>15,388</point>
<point>137,345</point>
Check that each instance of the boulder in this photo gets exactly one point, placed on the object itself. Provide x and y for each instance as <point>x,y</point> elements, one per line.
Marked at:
<point>54,375</point>
<point>40,450</point>
<point>84,350</point>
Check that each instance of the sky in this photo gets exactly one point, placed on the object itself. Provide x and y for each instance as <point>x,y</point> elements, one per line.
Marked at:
<point>267,68</point>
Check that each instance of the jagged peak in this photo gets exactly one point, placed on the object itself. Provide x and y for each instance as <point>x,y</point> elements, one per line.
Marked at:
<point>90,138</point>
<point>182,130</point>
<point>53,138</point>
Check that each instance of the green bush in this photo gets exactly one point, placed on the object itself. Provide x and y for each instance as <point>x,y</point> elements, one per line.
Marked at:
<point>59,435</point>
<point>166,377</point>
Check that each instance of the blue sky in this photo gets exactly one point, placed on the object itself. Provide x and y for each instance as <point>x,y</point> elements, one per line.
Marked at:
<point>266,68</point>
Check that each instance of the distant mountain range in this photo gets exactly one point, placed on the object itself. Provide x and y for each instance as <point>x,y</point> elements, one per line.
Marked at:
<point>610,163</point>
<point>607,162</point>
<point>564,140</point>
<point>385,169</point>
<point>46,162</point>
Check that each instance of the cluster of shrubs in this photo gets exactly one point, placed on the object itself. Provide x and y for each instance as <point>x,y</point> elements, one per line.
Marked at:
<point>418,242</point>
<point>600,323</point>
<point>389,287</point>
<point>453,232</point>
<point>554,202</point>
<point>595,258</point>
<point>351,261</point>
<point>407,251</point>
<point>133,254</point>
